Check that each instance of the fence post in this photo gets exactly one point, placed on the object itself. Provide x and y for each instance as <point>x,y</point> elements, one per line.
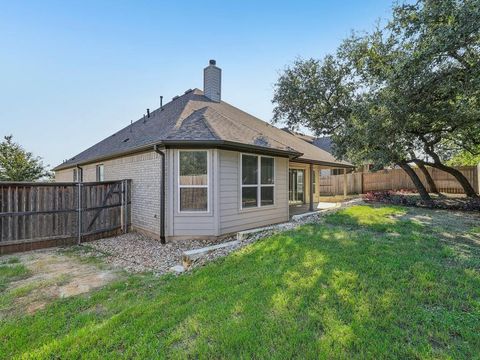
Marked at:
<point>122,209</point>
<point>344,182</point>
<point>478,178</point>
<point>361,182</point>
<point>126,205</point>
<point>79,215</point>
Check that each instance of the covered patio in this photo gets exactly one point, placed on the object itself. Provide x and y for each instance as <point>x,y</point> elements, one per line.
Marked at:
<point>305,208</point>
<point>305,187</point>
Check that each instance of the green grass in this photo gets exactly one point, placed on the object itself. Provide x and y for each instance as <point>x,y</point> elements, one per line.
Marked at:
<point>11,260</point>
<point>11,271</point>
<point>366,283</point>
<point>475,230</point>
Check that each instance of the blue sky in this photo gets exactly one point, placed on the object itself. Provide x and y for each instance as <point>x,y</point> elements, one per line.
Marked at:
<point>74,72</point>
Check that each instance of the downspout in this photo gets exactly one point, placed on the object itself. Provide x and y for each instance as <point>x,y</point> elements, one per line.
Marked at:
<point>162,194</point>
<point>79,173</point>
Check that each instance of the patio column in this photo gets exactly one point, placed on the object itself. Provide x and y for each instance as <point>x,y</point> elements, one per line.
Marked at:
<point>311,188</point>
<point>344,182</point>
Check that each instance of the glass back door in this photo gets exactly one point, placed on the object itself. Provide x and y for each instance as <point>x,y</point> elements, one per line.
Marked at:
<point>296,186</point>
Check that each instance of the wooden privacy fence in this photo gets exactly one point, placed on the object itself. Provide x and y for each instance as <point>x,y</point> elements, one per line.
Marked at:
<point>38,215</point>
<point>333,184</point>
<point>395,179</point>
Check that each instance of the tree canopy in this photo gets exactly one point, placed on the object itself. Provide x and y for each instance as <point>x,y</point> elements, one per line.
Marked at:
<point>466,158</point>
<point>16,164</point>
<point>407,91</point>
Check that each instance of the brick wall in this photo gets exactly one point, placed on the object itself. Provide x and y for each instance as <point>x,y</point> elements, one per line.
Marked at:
<point>144,171</point>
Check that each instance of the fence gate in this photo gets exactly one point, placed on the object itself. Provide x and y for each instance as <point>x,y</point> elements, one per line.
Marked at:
<point>38,215</point>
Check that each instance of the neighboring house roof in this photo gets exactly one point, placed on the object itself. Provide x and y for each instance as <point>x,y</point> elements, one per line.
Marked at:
<point>193,119</point>
<point>324,143</point>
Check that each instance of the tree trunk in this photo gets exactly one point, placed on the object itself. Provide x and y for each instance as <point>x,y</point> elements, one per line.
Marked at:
<point>416,181</point>
<point>463,181</point>
<point>428,177</point>
<point>467,187</point>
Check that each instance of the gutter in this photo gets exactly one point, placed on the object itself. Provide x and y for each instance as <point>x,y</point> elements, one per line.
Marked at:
<point>228,145</point>
<point>231,145</point>
<point>162,194</point>
<point>324,163</point>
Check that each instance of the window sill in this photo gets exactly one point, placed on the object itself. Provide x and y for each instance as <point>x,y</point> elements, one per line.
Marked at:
<point>194,213</point>
<point>258,208</point>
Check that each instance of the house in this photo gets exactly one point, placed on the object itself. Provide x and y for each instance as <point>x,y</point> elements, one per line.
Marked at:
<point>201,167</point>
<point>326,143</point>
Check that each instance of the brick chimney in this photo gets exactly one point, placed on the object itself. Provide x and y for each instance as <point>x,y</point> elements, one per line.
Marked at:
<point>212,81</point>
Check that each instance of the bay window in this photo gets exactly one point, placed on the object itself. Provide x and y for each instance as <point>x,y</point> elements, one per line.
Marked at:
<point>258,180</point>
<point>193,180</point>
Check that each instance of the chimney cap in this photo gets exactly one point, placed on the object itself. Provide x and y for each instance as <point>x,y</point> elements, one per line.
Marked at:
<point>212,62</point>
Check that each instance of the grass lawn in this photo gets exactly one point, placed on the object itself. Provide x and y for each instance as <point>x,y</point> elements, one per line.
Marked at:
<point>366,282</point>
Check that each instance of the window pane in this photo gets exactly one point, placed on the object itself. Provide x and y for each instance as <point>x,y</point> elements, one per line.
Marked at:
<point>193,199</point>
<point>193,168</point>
<point>99,172</point>
<point>314,183</point>
<point>267,170</point>
<point>267,195</point>
<point>249,197</point>
<point>249,170</point>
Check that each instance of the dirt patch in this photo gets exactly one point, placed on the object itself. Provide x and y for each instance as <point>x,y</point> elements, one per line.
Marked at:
<point>450,221</point>
<point>53,275</point>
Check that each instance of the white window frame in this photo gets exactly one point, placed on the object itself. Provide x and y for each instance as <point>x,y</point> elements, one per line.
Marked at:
<point>179,186</point>
<point>99,178</point>
<point>314,181</point>
<point>259,184</point>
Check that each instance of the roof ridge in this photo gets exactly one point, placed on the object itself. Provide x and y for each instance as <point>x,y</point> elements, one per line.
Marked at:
<point>207,123</point>
<point>181,120</point>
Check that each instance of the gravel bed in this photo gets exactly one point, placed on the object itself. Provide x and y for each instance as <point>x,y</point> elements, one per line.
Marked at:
<point>135,252</point>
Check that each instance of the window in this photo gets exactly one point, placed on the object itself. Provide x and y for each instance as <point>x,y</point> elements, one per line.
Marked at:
<point>258,181</point>
<point>193,180</point>
<point>77,175</point>
<point>314,182</point>
<point>99,173</point>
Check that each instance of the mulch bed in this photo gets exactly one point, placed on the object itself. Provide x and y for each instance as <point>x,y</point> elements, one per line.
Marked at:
<point>408,198</point>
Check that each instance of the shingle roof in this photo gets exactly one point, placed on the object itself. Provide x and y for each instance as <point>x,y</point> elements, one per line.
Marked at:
<point>195,118</point>
<point>324,143</point>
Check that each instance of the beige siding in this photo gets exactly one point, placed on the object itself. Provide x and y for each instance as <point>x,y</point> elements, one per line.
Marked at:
<point>232,217</point>
<point>144,171</point>
<point>192,224</point>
